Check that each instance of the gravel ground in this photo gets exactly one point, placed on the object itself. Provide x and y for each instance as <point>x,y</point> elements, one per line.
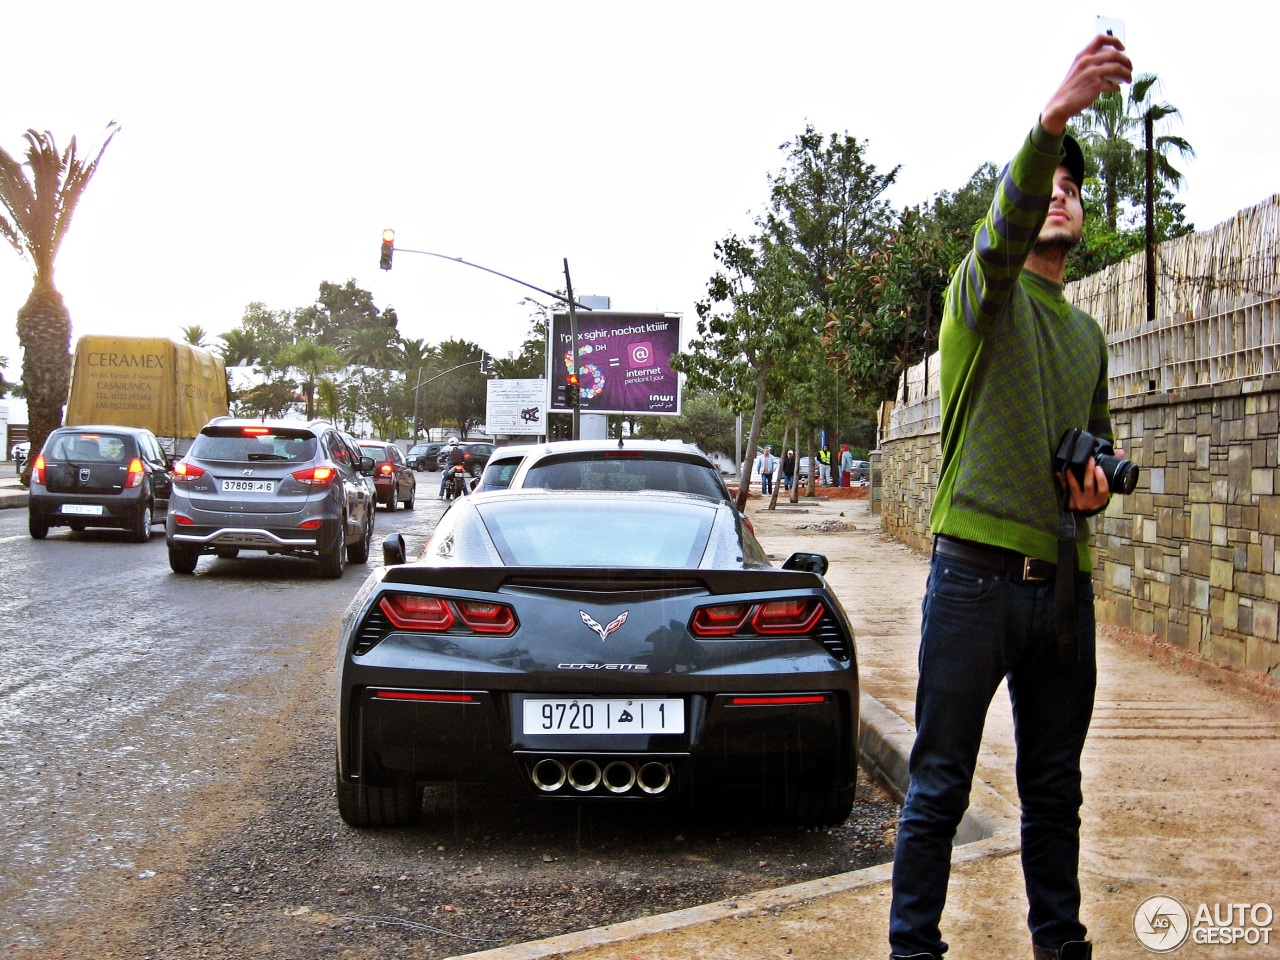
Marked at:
<point>292,881</point>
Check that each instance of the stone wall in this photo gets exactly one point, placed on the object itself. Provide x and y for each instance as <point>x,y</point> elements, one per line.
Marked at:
<point>1191,555</point>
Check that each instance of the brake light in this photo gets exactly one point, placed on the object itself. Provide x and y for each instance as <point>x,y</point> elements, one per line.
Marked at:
<point>437,614</point>
<point>37,470</point>
<point>417,613</point>
<point>794,615</point>
<point>315,476</point>
<point>184,472</point>
<point>719,621</point>
<point>487,617</point>
<point>423,697</point>
<point>136,473</point>
<point>255,431</point>
<point>784,700</point>
<point>386,469</point>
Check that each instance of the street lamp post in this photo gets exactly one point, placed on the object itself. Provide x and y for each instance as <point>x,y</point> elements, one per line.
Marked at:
<point>422,383</point>
<point>389,248</point>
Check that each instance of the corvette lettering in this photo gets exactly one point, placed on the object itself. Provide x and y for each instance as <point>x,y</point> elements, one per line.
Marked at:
<point>633,667</point>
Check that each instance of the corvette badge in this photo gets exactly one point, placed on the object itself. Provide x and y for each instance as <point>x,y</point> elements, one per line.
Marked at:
<point>604,632</point>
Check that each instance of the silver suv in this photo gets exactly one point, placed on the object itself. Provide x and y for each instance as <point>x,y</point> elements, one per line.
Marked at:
<point>283,486</point>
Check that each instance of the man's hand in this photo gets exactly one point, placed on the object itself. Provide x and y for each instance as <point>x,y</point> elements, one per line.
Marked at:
<point>1096,69</point>
<point>1096,491</point>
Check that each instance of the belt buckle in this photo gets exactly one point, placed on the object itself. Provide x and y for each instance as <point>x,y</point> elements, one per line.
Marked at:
<point>1026,570</point>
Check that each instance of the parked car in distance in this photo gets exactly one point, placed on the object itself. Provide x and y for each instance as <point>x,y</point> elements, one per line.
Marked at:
<point>99,476</point>
<point>392,476</point>
<point>630,465</point>
<point>501,468</point>
<point>578,644</point>
<point>287,487</point>
<point>475,454</point>
<point>422,456</point>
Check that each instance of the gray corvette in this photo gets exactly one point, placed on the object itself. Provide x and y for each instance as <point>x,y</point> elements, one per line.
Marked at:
<point>585,645</point>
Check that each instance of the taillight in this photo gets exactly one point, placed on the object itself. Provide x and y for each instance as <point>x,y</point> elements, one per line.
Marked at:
<point>255,431</point>
<point>417,613</point>
<point>487,617</point>
<point>315,476</point>
<point>796,615</point>
<point>719,621</point>
<point>437,614</point>
<point>136,473</point>
<point>37,470</point>
<point>184,472</point>
<point>386,469</point>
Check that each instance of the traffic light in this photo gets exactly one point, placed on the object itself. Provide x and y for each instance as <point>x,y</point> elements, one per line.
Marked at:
<point>388,248</point>
<point>486,363</point>
<point>571,390</point>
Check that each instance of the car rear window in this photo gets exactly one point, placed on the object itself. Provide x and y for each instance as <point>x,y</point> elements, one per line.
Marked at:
<point>375,450</point>
<point>235,445</point>
<point>90,447</point>
<point>622,470</point>
<point>498,474</point>
<point>608,533</point>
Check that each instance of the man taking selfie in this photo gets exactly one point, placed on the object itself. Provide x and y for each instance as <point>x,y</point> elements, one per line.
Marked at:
<point>1019,368</point>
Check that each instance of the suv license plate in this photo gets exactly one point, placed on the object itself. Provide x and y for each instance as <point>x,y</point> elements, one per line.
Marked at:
<point>83,509</point>
<point>603,716</point>
<point>248,486</point>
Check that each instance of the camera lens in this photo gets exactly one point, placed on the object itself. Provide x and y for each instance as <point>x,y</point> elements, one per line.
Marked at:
<point>1122,475</point>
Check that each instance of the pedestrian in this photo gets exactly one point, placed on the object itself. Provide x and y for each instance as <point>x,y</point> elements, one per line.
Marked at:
<point>824,465</point>
<point>1018,368</point>
<point>788,469</point>
<point>846,465</point>
<point>766,463</point>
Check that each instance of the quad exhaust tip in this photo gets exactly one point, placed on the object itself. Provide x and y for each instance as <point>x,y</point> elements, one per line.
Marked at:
<point>584,775</point>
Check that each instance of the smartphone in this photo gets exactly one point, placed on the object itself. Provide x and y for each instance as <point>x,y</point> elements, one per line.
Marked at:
<point>1109,27</point>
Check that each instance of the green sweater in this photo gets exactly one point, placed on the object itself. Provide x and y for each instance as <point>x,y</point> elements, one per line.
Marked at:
<point>1019,367</point>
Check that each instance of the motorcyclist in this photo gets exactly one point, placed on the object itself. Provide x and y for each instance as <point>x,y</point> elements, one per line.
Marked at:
<point>453,453</point>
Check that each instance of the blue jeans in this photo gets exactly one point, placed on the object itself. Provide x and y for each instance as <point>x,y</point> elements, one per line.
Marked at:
<point>766,483</point>
<point>978,628</point>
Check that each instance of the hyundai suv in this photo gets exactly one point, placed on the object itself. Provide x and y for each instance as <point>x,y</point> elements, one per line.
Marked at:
<point>98,476</point>
<point>283,486</point>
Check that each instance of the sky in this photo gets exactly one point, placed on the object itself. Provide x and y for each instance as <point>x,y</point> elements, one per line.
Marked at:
<point>264,146</point>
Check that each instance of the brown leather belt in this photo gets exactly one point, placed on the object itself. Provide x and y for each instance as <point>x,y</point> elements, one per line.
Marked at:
<point>1015,566</point>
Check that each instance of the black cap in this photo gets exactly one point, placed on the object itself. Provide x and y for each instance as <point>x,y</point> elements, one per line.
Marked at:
<point>1074,161</point>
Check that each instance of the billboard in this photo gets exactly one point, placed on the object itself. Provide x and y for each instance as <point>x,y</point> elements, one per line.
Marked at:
<point>516,407</point>
<point>624,362</point>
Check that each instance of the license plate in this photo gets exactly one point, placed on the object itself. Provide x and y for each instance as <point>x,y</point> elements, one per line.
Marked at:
<point>603,716</point>
<point>248,486</point>
<point>82,509</point>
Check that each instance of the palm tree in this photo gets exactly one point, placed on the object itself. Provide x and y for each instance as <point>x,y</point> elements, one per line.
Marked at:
<point>312,360</point>
<point>195,335</point>
<point>1114,132</point>
<point>37,214</point>
<point>240,346</point>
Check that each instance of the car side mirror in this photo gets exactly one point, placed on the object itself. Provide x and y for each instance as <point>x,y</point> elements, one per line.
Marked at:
<point>807,562</point>
<point>367,464</point>
<point>393,553</point>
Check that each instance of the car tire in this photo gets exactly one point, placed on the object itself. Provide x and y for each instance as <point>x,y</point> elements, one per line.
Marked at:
<point>37,527</point>
<point>183,559</point>
<point>140,527</point>
<point>226,553</point>
<point>413,495</point>
<point>333,558</point>
<point>396,806</point>
<point>393,499</point>
<point>475,471</point>
<point>359,552</point>
<point>78,526</point>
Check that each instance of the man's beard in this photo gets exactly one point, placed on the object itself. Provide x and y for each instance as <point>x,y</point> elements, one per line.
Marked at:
<point>1056,244</point>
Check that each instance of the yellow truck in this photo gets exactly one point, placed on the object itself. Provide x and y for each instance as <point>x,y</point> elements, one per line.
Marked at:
<point>172,389</point>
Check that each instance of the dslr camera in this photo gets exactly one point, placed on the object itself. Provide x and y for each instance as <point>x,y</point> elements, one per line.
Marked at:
<point>1077,446</point>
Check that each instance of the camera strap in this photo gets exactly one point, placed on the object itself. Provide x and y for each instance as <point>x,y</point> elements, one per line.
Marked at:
<point>1064,586</point>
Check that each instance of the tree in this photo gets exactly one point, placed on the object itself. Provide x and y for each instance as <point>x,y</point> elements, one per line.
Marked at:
<point>312,360</point>
<point>37,215</point>
<point>703,421</point>
<point>195,335</point>
<point>240,346</point>
<point>749,326</point>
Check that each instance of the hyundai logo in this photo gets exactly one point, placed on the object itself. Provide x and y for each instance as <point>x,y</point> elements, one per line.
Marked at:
<point>247,472</point>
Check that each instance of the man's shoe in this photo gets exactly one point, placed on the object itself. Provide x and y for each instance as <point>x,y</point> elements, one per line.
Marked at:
<point>915,956</point>
<point>1075,950</point>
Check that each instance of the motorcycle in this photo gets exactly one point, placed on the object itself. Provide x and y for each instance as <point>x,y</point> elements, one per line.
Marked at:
<point>456,484</point>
